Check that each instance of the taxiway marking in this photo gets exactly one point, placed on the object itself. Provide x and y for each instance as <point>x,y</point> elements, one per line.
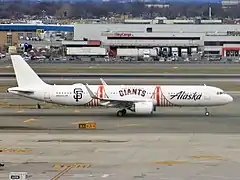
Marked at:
<point>67,168</point>
<point>77,165</point>
<point>207,157</point>
<point>130,125</point>
<point>15,150</point>
<point>169,163</point>
<point>82,122</point>
<point>64,171</point>
<point>21,110</point>
<point>29,120</point>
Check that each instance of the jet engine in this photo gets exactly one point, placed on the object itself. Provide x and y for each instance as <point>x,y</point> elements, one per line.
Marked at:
<point>143,107</point>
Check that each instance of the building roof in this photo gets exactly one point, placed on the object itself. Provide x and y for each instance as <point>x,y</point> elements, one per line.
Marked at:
<point>34,27</point>
<point>100,31</point>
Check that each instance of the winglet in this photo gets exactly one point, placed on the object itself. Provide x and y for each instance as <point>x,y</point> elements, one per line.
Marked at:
<point>103,82</point>
<point>91,93</point>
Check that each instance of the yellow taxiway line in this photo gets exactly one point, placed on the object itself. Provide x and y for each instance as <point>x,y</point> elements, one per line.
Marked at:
<point>65,170</point>
<point>29,120</point>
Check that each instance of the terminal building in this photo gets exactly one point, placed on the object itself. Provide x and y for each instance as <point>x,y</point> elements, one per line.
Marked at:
<point>132,39</point>
<point>171,39</point>
<point>11,34</point>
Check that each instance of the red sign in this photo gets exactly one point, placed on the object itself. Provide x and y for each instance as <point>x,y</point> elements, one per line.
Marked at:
<point>123,34</point>
<point>94,42</point>
<point>119,35</point>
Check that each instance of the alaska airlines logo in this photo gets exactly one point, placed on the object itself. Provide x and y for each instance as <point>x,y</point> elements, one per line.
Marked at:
<point>77,94</point>
<point>132,91</point>
<point>188,96</point>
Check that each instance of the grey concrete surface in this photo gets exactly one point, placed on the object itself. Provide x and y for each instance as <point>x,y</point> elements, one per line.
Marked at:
<point>173,144</point>
<point>112,81</point>
<point>166,120</point>
<point>151,156</point>
<point>224,119</point>
<point>125,65</point>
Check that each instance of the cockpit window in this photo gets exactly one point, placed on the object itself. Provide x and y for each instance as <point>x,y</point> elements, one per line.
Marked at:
<point>219,93</point>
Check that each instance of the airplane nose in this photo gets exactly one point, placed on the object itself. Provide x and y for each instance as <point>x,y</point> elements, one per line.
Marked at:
<point>229,98</point>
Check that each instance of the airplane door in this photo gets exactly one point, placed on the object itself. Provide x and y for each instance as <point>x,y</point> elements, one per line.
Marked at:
<point>46,96</point>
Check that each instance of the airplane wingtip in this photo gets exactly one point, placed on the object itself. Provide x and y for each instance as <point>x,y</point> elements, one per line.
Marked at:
<point>103,82</point>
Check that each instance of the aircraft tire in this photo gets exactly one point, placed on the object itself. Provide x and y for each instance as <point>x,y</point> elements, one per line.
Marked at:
<point>206,112</point>
<point>38,106</point>
<point>120,113</point>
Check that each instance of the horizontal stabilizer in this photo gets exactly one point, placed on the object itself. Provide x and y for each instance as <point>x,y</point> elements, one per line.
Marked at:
<point>20,90</point>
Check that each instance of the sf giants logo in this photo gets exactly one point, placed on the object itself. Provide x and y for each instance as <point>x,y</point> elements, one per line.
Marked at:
<point>77,94</point>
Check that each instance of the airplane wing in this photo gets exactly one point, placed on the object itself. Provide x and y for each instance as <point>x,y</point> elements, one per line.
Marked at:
<point>117,102</point>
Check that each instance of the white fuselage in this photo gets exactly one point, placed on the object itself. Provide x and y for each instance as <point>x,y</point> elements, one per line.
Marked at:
<point>161,95</point>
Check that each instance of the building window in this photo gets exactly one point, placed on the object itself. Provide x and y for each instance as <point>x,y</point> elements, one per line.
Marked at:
<point>149,29</point>
<point>9,40</point>
<point>219,43</point>
<point>211,52</point>
<point>232,53</point>
<point>29,35</point>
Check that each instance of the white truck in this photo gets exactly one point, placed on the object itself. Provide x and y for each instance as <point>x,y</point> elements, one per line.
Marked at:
<point>86,51</point>
<point>18,176</point>
<point>135,52</point>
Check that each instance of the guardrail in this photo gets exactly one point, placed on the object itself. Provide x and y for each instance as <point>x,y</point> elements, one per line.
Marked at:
<point>126,75</point>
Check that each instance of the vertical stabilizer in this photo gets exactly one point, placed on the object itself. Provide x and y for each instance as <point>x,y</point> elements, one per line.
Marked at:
<point>25,75</point>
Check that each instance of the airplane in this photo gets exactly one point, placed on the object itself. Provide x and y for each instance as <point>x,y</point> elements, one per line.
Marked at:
<point>141,99</point>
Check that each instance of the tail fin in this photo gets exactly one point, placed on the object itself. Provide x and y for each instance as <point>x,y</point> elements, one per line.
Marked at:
<point>25,75</point>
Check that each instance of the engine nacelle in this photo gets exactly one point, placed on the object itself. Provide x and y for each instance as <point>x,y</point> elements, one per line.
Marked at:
<point>144,107</point>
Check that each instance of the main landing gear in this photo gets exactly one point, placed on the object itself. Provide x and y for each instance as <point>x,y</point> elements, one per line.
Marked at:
<point>122,112</point>
<point>206,112</point>
<point>38,106</point>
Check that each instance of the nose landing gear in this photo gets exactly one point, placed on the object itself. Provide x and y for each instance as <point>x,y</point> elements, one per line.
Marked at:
<point>206,112</point>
